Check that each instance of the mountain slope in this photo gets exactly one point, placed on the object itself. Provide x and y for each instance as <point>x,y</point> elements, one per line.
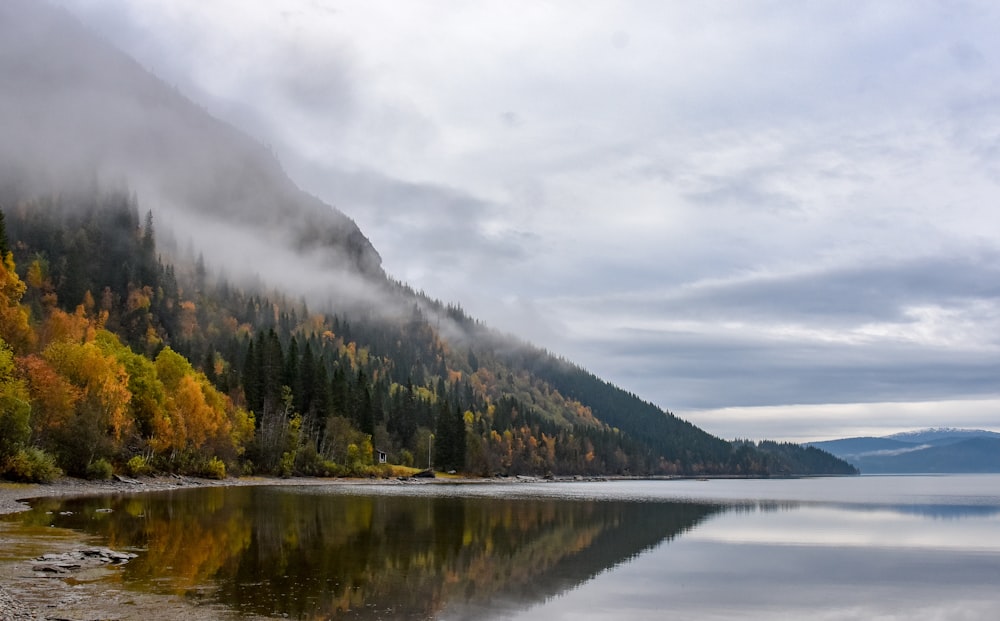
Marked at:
<point>75,111</point>
<point>305,331</point>
<point>865,446</point>
<point>971,455</point>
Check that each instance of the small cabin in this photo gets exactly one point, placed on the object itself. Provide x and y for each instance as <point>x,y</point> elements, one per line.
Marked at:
<point>380,456</point>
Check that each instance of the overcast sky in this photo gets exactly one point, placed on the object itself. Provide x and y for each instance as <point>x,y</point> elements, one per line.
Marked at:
<point>775,219</point>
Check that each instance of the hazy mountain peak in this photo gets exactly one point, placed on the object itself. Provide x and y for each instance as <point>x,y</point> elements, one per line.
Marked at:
<point>74,111</point>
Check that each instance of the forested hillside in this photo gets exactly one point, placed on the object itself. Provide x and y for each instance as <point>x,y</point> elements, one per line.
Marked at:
<point>114,358</point>
<point>173,301</point>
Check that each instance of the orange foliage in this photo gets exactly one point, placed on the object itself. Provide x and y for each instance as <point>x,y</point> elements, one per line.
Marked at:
<point>61,326</point>
<point>53,398</point>
<point>102,380</point>
<point>138,299</point>
<point>196,417</point>
<point>188,320</point>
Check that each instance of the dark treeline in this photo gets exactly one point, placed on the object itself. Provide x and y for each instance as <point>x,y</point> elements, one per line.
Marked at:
<point>212,375</point>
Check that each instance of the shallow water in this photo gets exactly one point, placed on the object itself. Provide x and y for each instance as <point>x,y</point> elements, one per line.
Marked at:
<point>838,548</point>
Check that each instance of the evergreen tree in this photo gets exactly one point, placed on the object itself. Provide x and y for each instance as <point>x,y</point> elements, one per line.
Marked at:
<point>449,440</point>
<point>4,242</point>
<point>250,379</point>
<point>290,374</point>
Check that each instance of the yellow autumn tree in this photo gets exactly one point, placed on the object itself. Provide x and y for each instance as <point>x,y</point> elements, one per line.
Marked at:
<point>148,393</point>
<point>101,414</point>
<point>197,421</point>
<point>59,325</point>
<point>15,329</point>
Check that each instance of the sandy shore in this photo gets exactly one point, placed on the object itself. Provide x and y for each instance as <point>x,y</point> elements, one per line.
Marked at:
<point>28,597</point>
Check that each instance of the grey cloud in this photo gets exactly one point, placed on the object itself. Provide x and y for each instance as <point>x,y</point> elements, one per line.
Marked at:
<point>694,362</point>
<point>685,370</point>
<point>317,82</point>
<point>967,56</point>
<point>838,296</point>
<point>439,223</point>
<point>745,191</point>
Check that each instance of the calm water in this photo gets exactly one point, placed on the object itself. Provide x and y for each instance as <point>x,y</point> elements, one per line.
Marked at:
<point>850,548</point>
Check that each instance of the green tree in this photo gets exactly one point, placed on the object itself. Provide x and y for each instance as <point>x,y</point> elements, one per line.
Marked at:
<point>449,440</point>
<point>4,242</point>
<point>15,410</point>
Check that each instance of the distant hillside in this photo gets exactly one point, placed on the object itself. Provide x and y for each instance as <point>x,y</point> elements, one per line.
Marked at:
<point>942,435</point>
<point>941,450</point>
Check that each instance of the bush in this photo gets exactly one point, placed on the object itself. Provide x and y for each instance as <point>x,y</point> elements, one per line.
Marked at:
<point>406,458</point>
<point>138,466</point>
<point>31,465</point>
<point>214,468</point>
<point>100,469</point>
<point>287,465</point>
<point>311,464</point>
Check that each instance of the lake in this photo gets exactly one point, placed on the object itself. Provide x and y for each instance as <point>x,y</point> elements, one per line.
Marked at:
<point>892,547</point>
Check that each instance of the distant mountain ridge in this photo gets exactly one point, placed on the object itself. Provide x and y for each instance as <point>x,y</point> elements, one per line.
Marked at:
<point>933,450</point>
<point>933,435</point>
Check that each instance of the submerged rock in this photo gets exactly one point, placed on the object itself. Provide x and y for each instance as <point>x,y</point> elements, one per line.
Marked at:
<point>79,559</point>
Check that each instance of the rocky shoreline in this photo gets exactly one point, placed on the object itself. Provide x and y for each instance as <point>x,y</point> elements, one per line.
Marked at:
<point>12,500</point>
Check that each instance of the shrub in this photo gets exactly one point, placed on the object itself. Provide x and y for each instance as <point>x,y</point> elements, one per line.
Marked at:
<point>287,465</point>
<point>214,468</point>
<point>99,469</point>
<point>392,471</point>
<point>138,466</point>
<point>31,465</point>
<point>310,463</point>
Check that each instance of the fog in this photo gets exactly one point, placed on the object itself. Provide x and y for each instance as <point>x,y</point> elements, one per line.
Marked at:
<point>77,113</point>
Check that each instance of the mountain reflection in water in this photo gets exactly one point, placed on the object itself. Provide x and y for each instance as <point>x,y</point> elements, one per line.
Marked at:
<point>288,551</point>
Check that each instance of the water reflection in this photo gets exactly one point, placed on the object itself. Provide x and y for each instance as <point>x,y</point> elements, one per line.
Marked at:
<point>851,549</point>
<point>279,551</point>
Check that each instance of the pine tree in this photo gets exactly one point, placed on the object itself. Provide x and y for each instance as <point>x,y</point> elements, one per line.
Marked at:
<point>4,243</point>
<point>251,385</point>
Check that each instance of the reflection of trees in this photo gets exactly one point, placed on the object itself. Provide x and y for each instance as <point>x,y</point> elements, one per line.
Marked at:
<point>321,556</point>
<point>189,537</point>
